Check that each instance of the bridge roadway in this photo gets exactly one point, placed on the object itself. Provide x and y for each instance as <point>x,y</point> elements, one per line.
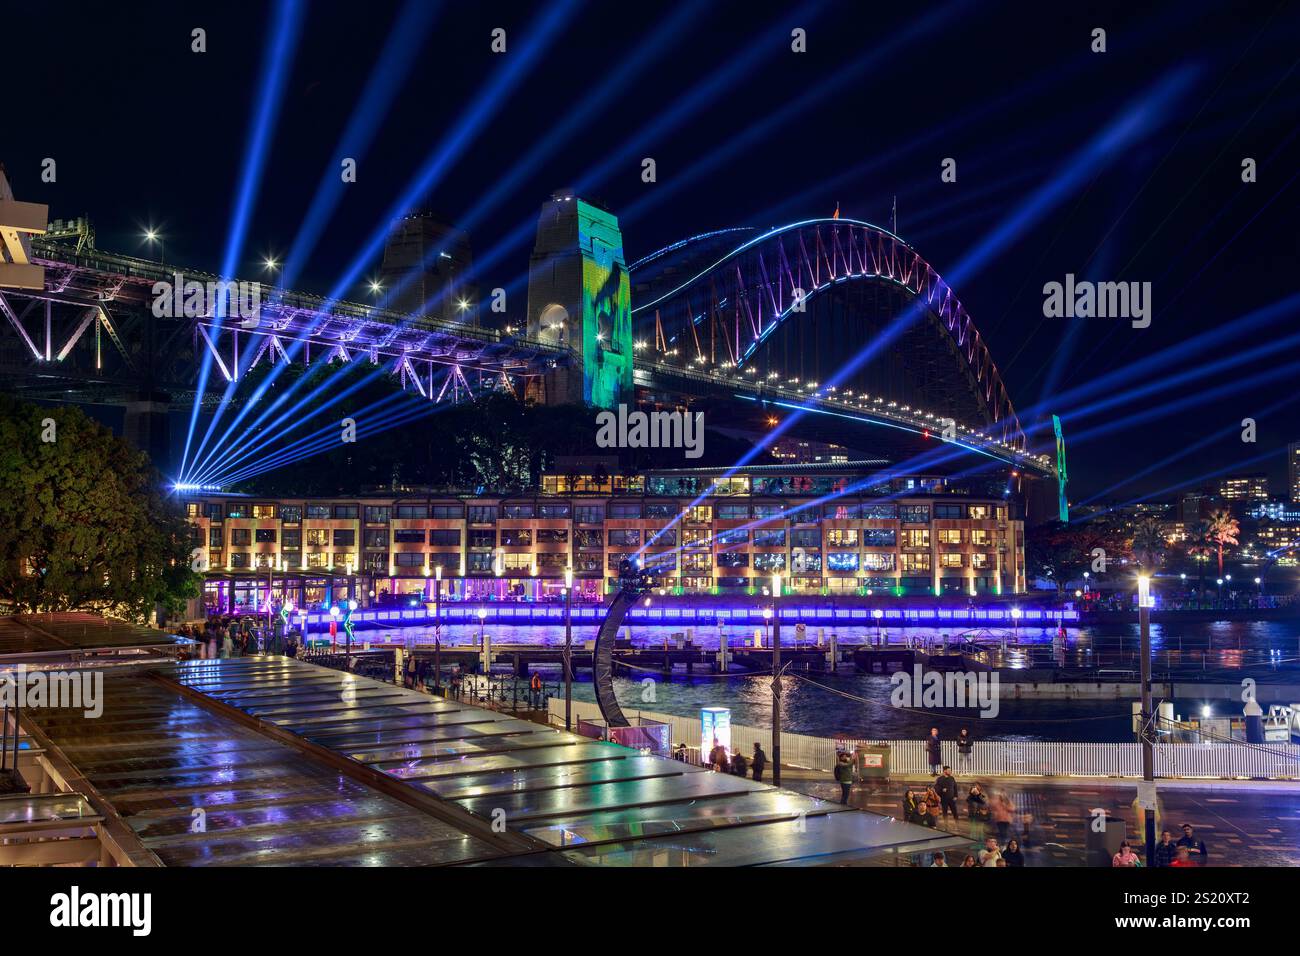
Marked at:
<point>535,795</point>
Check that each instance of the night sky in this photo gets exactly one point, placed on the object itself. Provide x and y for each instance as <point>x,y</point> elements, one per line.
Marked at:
<point>746,132</point>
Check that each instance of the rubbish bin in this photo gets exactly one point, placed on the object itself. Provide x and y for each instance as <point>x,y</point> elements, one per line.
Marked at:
<point>1102,836</point>
<point>872,761</point>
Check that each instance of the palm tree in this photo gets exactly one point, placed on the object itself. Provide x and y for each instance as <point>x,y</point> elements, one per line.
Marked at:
<point>1200,543</point>
<point>1149,544</point>
<point>1223,530</point>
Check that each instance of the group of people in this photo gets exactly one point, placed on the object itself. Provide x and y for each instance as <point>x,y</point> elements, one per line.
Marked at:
<point>991,854</point>
<point>722,761</point>
<point>229,636</point>
<point>925,806</point>
<point>1188,850</point>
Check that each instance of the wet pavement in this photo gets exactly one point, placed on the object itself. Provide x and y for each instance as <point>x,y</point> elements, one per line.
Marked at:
<point>1241,823</point>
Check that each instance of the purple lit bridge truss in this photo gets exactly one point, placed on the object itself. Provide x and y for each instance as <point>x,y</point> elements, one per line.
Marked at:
<point>91,335</point>
<point>772,316</point>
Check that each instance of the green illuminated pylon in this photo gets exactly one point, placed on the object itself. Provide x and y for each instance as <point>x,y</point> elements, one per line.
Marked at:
<point>1061,476</point>
<point>579,298</point>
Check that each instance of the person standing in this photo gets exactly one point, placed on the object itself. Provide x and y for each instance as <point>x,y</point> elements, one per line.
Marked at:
<point>1125,856</point>
<point>965,748</point>
<point>759,763</point>
<point>1195,847</point>
<point>844,775</point>
<point>946,788</point>
<point>1166,849</point>
<point>939,860</point>
<point>990,855</point>
<point>1012,854</point>
<point>934,750</point>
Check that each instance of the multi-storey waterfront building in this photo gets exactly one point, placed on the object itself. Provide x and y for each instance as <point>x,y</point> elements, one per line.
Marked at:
<point>825,528</point>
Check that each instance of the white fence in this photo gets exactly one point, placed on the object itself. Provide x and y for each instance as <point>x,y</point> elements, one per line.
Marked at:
<point>1001,757</point>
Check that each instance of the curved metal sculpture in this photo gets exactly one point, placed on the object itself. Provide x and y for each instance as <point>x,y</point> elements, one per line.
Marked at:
<point>631,584</point>
<point>732,302</point>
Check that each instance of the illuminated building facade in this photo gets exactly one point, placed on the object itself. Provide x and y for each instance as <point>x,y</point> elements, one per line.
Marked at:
<point>828,532</point>
<point>1244,488</point>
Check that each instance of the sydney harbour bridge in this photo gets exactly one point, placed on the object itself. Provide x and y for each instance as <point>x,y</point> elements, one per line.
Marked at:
<point>837,320</point>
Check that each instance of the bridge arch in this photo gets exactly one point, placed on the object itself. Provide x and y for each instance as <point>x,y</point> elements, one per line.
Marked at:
<point>816,292</point>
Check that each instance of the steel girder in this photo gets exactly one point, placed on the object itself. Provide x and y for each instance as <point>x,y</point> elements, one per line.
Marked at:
<point>724,312</point>
<point>91,335</point>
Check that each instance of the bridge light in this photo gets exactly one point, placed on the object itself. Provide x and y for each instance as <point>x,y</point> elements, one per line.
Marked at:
<point>270,264</point>
<point>463,304</point>
<point>375,286</point>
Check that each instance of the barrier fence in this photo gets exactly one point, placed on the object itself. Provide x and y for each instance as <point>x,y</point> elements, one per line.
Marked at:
<point>1028,758</point>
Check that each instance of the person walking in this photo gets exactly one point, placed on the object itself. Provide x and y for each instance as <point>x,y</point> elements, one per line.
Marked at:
<point>844,775</point>
<point>758,763</point>
<point>718,759</point>
<point>965,749</point>
<point>946,788</point>
<point>1002,811</point>
<point>934,750</point>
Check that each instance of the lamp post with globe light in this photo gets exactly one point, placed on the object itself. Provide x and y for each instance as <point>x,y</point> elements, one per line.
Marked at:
<point>776,678</point>
<point>568,648</point>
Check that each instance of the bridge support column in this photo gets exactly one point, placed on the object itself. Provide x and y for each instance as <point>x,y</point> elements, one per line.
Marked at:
<point>579,298</point>
<point>146,427</point>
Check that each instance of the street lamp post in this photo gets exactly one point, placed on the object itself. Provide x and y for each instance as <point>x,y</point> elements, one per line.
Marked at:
<point>437,630</point>
<point>776,679</point>
<point>485,652</point>
<point>568,648</point>
<point>1147,729</point>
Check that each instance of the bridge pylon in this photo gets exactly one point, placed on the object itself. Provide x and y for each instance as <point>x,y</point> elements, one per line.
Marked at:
<point>579,298</point>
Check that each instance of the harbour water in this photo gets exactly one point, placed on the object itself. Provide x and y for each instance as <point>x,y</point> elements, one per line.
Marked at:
<point>1224,652</point>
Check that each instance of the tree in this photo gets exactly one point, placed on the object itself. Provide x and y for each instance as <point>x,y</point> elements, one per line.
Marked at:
<point>1200,543</point>
<point>84,521</point>
<point>1149,544</point>
<point>1223,530</point>
<point>1061,552</point>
